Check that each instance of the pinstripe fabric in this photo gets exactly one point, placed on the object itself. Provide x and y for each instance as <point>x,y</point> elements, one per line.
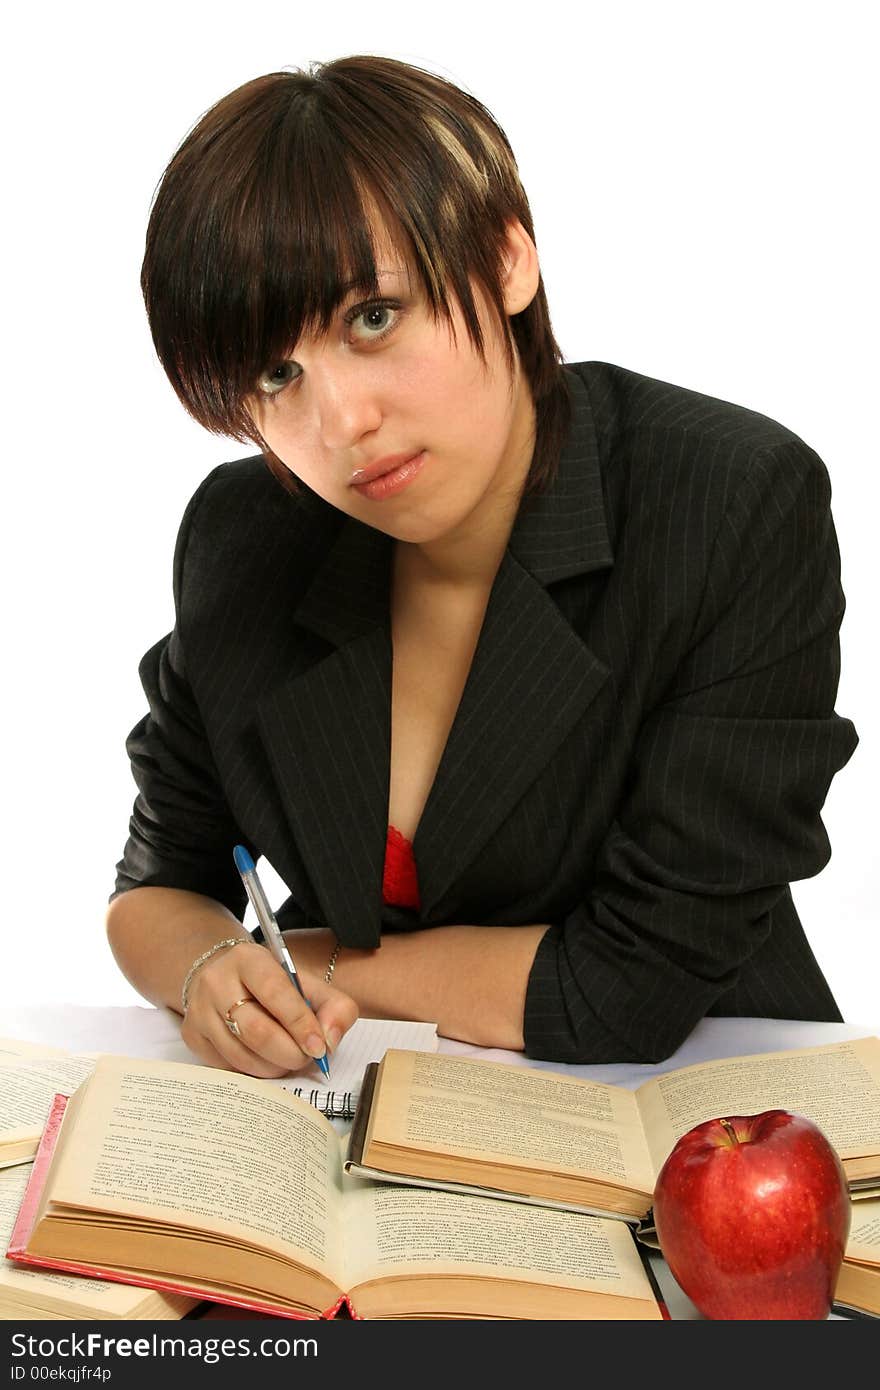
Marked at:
<point>642,749</point>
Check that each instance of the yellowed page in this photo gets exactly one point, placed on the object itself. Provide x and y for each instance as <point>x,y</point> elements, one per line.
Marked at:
<point>864,1235</point>
<point>395,1231</point>
<point>541,1121</point>
<point>837,1086</point>
<point>215,1151</point>
<point>78,1295</point>
<point>27,1085</point>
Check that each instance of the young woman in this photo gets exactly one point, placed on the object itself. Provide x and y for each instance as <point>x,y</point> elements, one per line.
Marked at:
<point>521,675</point>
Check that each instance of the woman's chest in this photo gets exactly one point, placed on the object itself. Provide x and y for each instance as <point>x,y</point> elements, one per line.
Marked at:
<point>434,638</point>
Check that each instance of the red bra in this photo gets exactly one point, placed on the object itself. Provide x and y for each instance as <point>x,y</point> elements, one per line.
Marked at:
<point>400,883</point>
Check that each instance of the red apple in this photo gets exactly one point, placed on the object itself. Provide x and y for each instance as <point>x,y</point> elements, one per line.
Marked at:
<point>752,1216</point>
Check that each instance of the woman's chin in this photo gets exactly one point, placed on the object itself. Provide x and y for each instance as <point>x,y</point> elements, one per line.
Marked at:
<point>412,529</point>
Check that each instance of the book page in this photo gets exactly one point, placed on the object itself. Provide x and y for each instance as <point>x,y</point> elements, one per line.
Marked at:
<point>541,1121</point>
<point>27,1085</point>
<point>836,1086</point>
<point>398,1231</point>
<point>864,1235</point>
<point>366,1041</point>
<point>38,1289</point>
<point>211,1150</point>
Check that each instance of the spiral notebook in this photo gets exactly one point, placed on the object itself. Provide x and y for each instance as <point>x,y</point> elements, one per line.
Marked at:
<point>366,1041</point>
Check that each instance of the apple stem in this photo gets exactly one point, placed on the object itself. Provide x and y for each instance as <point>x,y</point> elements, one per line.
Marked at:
<point>731,1132</point>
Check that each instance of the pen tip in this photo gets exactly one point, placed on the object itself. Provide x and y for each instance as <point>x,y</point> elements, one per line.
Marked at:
<point>243,861</point>
<point>325,1067</point>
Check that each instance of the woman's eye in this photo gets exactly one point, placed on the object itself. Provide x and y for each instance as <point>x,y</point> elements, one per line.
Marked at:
<point>367,323</point>
<point>274,379</point>
<point>372,321</point>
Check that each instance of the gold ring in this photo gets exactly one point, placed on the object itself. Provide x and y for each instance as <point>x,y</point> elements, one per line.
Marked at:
<point>230,1021</point>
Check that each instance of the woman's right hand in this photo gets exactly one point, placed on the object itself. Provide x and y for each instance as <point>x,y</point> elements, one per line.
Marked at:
<point>278,1033</point>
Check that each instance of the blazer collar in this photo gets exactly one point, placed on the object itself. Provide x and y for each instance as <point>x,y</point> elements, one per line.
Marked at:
<point>559,533</point>
<point>562,532</point>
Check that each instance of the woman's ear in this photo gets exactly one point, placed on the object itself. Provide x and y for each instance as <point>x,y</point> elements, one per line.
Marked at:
<point>521,269</point>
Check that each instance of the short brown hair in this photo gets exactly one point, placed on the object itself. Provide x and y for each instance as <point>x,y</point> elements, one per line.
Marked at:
<point>261,219</point>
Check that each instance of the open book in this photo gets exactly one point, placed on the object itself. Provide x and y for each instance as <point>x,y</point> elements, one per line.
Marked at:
<point>489,1127</point>
<point>858,1286</point>
<point>225,1187</point>
<point>37,1294</point>
<point>30,1076</point>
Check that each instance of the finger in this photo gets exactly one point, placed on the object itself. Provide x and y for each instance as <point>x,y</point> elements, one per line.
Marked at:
<point>336,1014</point>
<point>198,1043</point>
<point>282,1001</point>
<point>261,1047</point>
<point>286,1032</point>
<point>201,1048</point>
<point>252,972</point>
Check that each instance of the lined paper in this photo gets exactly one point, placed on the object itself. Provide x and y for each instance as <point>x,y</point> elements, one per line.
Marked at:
<point>366,1041</point>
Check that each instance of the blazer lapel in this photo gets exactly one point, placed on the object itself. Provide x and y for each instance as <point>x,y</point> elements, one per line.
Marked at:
<point>329,732</point>
<point>531,680</point>
<point>532,676</point>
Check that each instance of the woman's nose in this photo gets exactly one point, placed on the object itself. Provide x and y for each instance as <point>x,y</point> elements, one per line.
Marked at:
<point>346,403</point>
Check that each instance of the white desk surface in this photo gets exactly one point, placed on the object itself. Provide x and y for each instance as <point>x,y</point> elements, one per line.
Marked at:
<point>136,1031</point>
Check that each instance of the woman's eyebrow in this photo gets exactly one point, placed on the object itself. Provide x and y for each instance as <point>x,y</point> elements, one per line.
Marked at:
<point>392,272</point>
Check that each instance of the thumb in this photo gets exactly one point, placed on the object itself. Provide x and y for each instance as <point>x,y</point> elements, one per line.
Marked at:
<point>336,1012</point>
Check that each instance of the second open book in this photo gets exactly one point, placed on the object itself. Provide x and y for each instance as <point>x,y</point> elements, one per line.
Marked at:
<point>547,1137</point>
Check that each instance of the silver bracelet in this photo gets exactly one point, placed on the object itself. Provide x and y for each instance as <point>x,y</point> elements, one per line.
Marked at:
<point>200,960</point>
<point>331,964</point>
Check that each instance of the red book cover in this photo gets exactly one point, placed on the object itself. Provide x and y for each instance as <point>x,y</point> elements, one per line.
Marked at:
<point>24,1225</point>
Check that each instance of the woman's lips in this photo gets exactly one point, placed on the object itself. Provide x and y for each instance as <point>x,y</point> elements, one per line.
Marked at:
<point>394,481</point>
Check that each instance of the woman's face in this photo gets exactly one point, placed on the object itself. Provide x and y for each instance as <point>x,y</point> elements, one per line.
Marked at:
<point>388,386</point>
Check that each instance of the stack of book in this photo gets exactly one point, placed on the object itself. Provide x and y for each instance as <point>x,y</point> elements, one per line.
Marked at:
<point>858,1288</point>
<point>30,1078</point>
<point>466,1189</point>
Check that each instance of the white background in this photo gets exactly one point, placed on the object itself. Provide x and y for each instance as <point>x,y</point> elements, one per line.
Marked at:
<point>703,182</point>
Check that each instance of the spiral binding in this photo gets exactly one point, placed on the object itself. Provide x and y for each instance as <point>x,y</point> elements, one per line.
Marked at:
<point>336,1105</point>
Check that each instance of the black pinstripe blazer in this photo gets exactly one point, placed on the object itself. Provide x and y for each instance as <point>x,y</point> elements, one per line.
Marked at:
<point>642,749</point>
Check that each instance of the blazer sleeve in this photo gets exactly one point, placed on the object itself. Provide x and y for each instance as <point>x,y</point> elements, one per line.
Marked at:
<point>181,832</point>
<point>726,782</point>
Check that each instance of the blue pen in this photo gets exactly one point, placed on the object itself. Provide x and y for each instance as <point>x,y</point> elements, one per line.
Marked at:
<point>271,931</point>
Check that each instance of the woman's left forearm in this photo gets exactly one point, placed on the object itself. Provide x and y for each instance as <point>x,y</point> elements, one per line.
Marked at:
<point>470,981</point>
